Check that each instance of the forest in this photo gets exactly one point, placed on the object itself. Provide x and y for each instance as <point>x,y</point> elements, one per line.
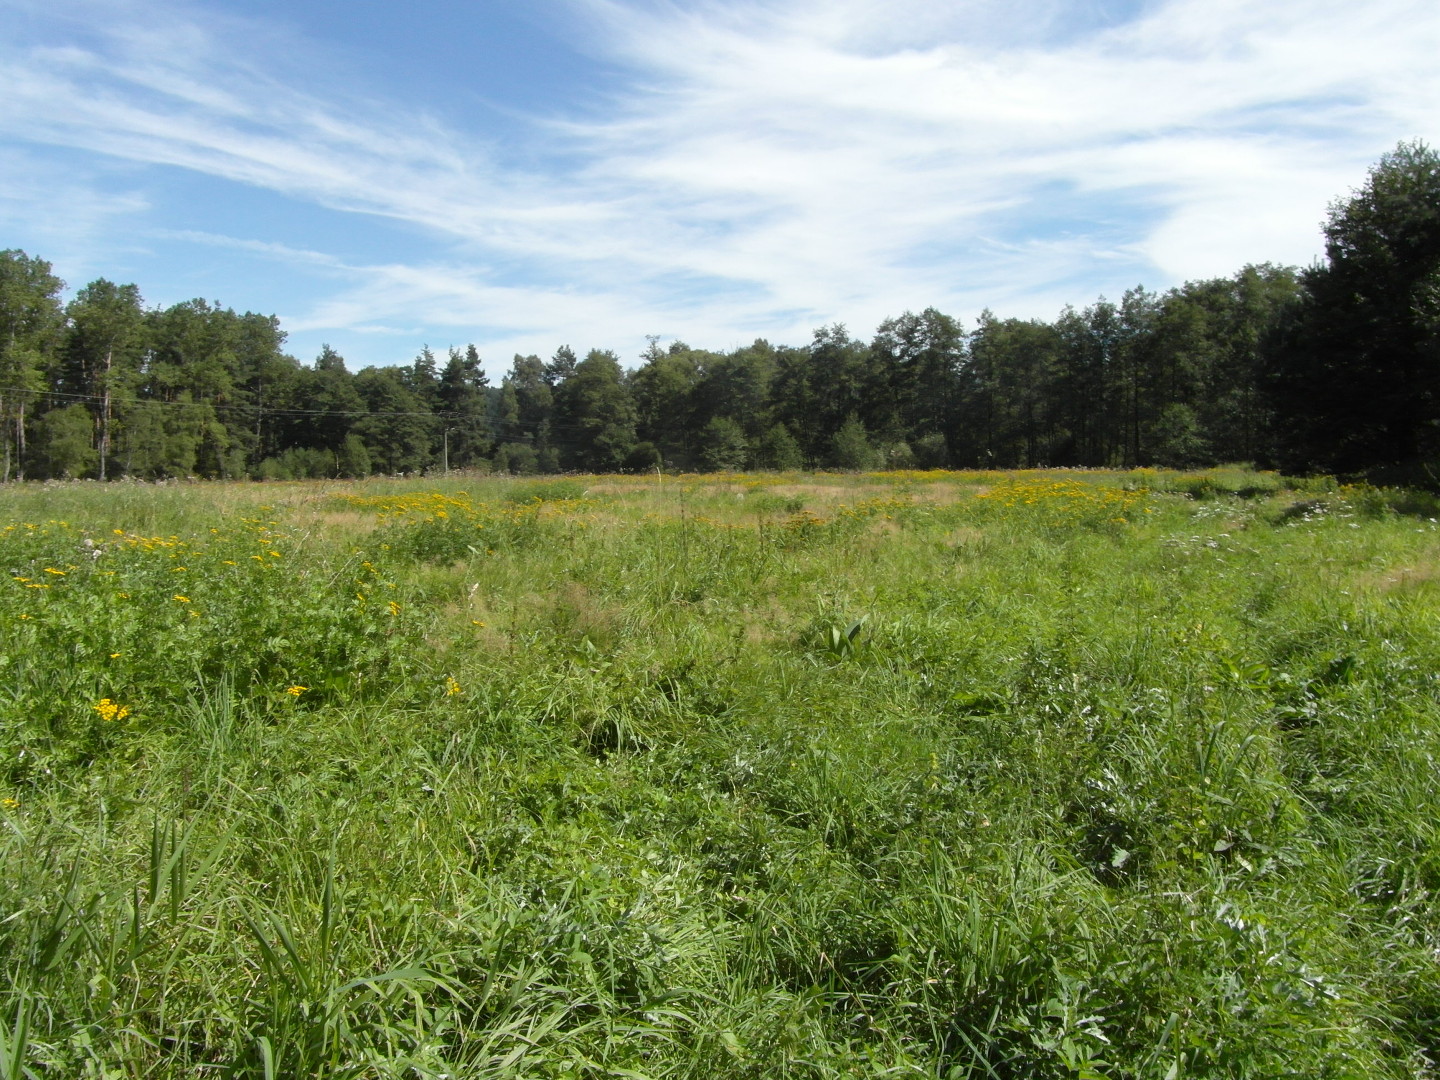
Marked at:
<point>1329,368</point>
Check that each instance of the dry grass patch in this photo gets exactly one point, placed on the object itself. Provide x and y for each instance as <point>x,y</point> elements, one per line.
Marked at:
<point>344,522</point>
<point>1418,575</point>
<point>965,538</point>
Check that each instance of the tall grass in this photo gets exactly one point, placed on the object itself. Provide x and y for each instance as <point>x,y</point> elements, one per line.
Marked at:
<point>923,774</point>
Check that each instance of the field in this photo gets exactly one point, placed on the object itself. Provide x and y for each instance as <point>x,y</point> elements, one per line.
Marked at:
<point>925,774</point>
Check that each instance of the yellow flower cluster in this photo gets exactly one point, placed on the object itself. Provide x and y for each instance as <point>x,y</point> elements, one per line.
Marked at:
<point>1068,497</point>
<point>803,521</point>
<point>436,505</point>
<point>150,543</point>
<point>927,476</point>
<point>884,506</point>
<point>110,710</point>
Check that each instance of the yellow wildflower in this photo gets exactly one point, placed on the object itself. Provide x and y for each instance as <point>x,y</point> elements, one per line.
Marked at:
<point>110,710</point>
<point>9,803</point>
<point>452,687</point>
<point>52,570</point>
<point>296,691</point>
<point>114,656</point>
<point>182,599</point>
<point>394,608</point>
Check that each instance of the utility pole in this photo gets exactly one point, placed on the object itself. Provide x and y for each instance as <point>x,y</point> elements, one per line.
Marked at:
<point>105,410</point>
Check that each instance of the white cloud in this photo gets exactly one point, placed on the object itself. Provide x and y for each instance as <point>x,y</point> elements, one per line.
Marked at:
<point>770,167</point>
<point>61,211</point>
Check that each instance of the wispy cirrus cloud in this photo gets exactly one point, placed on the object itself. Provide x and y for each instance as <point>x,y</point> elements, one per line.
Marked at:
<point>764,168</point>
<point>1127,133</point>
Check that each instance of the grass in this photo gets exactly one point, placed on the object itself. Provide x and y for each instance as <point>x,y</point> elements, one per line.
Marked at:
<point>910,774</point>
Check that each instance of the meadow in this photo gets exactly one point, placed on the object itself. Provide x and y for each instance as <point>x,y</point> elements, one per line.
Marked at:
<point>951,775</point>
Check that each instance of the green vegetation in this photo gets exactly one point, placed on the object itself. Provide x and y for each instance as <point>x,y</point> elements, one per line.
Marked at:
<point>907,774</point>
<point>1331,368</point>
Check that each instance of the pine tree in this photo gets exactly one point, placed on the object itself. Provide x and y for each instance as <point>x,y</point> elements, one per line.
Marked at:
<point>462,407</point>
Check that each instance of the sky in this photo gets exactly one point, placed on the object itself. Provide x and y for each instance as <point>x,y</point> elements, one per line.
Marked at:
<point>526,175</point>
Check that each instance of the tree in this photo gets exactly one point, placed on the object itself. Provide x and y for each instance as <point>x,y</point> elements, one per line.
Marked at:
<point>31,319</point>
<point>1006,413</point>
<point>462,405</point>
<point>1176,441</point>
<point>192,361</point>
<point>794,398</point>
<point>527,406</point>
<point>722,446</point>
<point>103,353</point>
<point>662,389</point>
<point>595,416</point>
<point>519,459</point>
<point>561,366</point>
<point>158,440</point>
<point>735,386</point>
<point>323,405</point>
<point>778,450</point>
<point>838,365</point>
<point>1089,408</point>
<point>1358,376</point>
<point>396,431</point>
<point>1212,343</point>
<point>915,360</point>
<point>850,447</point>
<point>1135,362</point>
<point>353,458</point>
<point>62,445</point>
<point>263,375</point>
<point>422,377</point>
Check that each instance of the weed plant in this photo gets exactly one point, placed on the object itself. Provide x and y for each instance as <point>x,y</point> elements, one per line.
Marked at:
<point>942,775</point>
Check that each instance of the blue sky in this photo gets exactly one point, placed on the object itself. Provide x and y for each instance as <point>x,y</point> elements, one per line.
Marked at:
<point>588,172</point>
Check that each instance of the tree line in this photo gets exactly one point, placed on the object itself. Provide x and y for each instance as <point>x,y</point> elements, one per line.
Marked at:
<point>1333,367</point>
